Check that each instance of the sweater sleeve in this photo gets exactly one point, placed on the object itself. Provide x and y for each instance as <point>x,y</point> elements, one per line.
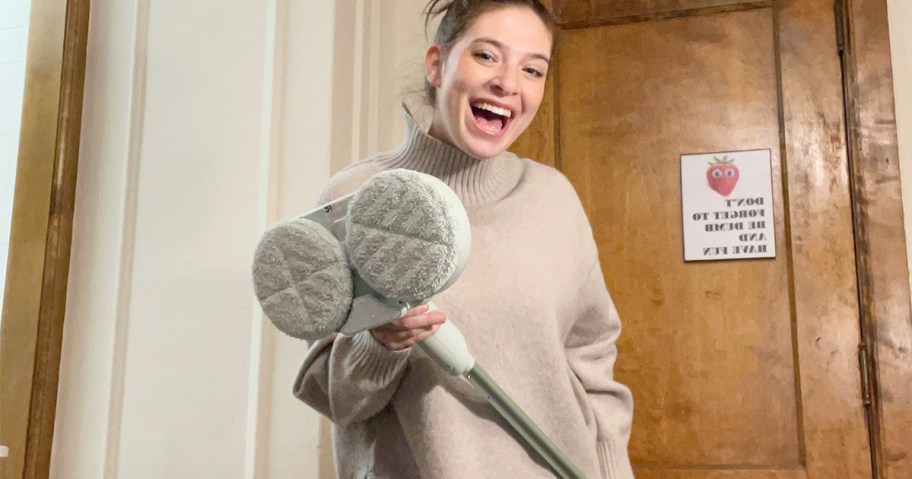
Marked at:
<point>591,353</point>
<point>350,378</point>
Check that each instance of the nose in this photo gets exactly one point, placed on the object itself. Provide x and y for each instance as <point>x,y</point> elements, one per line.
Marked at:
<point>505,82</point>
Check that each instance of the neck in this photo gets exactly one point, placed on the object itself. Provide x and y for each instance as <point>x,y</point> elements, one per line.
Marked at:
<point>475,181</point>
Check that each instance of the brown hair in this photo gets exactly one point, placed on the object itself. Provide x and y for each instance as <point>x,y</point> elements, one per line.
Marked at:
<point>458,15</point>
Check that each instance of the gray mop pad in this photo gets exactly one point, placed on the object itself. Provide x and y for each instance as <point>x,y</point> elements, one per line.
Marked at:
<point>407,233</point>
<point>302,279</point>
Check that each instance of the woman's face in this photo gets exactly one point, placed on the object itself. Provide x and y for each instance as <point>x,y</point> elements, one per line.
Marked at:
<point>491,81</point>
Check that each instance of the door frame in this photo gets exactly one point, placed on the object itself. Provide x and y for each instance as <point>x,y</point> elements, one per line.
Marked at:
<point>880,244</point>
<point>37,271</point>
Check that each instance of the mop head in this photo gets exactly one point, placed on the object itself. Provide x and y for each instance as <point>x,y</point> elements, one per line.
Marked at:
<point>408,235</point>
<point>302,279</point>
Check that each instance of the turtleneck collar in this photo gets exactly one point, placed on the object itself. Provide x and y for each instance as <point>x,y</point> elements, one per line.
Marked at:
<point>475,181</point>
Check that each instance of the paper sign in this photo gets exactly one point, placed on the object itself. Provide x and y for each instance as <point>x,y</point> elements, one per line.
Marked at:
<point>727,205</point>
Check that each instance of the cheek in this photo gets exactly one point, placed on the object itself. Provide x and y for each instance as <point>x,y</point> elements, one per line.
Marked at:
<point>534,97</point>
<point>456,87</point>
<point>468,76</point>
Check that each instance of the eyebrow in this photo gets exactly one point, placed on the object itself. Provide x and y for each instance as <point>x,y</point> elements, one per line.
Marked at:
<point>503,47</point>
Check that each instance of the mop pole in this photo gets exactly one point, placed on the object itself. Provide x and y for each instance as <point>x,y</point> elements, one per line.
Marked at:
<point>559,463</point>
<point>448,349</point>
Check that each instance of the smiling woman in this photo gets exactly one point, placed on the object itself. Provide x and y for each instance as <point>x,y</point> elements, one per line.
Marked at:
<point>163,374</point>
<point>531,302</point>
<point>490,82</point>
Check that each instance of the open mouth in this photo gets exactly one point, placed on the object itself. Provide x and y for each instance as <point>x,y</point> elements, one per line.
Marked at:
<point>491,118</point>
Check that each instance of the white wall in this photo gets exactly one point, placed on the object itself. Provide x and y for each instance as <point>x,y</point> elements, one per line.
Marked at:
<point>388,43</point>
<point>401,46</point>
<point>900,16</point>
<point>204,122</point>
<point>14,17</point>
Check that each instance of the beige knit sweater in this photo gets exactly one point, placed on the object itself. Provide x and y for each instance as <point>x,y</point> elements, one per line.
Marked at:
<point>533,307</point>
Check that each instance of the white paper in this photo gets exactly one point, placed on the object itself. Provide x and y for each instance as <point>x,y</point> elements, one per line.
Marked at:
<point>727,205</point>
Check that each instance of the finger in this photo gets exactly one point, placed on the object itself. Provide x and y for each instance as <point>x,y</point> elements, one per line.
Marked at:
<point>414,322</point>
<point>413,336</point>
<point>406,338</point>
<point>420,309</point>
<point>402,336</point>
<point>398,341</point>
<point>386,341</point>
<point>400,324</point>
<point>394,327</point>
<point>422,321</point>
<point>426,334</point>
<point>396,336</point>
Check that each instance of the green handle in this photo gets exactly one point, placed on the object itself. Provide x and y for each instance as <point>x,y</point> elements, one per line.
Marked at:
<point>549,451</point>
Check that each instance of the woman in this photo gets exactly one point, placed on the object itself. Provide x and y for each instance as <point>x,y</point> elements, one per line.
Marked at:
<point>532,302</point>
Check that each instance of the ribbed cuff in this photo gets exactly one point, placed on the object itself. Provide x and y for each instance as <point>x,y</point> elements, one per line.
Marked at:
<point>614,465</point>
<point>373,361</point>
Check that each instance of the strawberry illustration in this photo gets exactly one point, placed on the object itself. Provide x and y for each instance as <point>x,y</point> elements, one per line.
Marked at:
<point>722,175</point>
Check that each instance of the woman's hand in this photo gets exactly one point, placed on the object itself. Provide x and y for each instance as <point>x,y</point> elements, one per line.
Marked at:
<point>417,325</point>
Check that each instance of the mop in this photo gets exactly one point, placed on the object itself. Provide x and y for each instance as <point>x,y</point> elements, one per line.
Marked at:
<point>364,260</point>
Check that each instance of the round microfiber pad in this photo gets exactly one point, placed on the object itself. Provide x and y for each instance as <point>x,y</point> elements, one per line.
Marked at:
<point>302,279</point>
<point>408,235</point>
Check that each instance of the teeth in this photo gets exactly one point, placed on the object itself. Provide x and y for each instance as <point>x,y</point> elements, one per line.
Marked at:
<point>493,109</point>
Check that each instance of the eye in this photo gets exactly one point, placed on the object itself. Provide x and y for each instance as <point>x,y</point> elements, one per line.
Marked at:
<point>717,173</point>
<point>484,56</point>
<point>535,72</point>
<point>730,173</point>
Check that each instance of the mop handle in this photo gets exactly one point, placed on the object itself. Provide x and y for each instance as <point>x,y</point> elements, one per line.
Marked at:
<point>449,350</point>
<point>559,463</point>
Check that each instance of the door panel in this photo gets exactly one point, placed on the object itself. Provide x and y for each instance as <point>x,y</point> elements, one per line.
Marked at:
<point>742,368</point>
<point>712,340</point>
<point>589,11</point>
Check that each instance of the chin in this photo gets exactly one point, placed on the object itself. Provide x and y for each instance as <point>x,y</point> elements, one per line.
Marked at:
<point>484,151</point>
<point>485,147</point>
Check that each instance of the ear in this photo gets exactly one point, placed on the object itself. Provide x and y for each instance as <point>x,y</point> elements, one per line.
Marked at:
<point>433,64</point>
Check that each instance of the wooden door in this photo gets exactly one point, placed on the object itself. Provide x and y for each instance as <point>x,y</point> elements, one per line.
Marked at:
<point>739,369</point>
